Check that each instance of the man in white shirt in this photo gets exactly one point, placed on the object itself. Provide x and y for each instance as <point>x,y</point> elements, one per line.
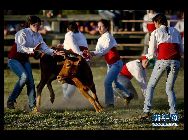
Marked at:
<point>136,69</point>
<point>148,27</point>
<point>77,43</point>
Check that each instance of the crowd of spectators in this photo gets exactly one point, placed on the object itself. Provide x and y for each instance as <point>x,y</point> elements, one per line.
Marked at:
<point>90,27</point>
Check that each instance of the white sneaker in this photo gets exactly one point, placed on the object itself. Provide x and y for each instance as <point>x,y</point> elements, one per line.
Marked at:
<point>120,93</point>
<point>124,94</point>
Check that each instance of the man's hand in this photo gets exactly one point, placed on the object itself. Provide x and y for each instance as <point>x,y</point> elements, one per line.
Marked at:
<point>60,46</point>
<point>59,53</point>
<point>37,47</point>
<point>31,53</point>
<point>89,53</point>
<point>145,63</point>
<point>86,54</point>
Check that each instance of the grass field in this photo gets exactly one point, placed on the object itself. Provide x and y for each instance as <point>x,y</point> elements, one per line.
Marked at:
<point>78,114</point>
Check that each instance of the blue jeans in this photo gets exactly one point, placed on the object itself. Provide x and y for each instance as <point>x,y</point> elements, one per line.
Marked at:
<point>125,85</point>
<point>24,72</point>
<point>111,76</point>
<point>68,90</point>
<point>172,68</point>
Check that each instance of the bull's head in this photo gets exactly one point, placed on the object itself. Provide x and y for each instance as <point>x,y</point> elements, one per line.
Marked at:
<point>69,68</point>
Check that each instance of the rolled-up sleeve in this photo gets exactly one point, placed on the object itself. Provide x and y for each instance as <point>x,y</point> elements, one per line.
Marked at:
<point>152,46</point>
<point>44,47</point>
<point>20,39</point>
<point>103,46</point>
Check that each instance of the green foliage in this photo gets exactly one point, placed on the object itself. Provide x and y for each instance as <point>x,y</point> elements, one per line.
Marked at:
<point>117,119</point>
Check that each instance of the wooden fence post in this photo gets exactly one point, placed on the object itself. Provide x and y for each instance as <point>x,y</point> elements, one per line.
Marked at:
<point>56,26</point>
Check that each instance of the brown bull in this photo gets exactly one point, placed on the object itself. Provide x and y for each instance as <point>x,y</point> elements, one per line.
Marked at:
<point>72,69</point>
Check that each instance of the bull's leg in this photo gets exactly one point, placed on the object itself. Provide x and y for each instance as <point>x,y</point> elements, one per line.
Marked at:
<point>92,88</point>
<point>81,88</point>
<point>52,95</point>
<point>49,85</point>
<point>40,87</point>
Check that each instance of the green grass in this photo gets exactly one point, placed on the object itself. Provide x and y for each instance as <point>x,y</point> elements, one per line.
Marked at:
<point>78,114</point>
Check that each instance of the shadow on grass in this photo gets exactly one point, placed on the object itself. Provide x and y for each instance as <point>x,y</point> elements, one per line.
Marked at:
<point>162,103</point>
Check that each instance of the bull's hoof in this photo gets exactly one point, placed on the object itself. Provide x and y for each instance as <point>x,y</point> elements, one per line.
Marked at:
<point>35,111</point>
<point>52,100</point>
<point>99,111</point>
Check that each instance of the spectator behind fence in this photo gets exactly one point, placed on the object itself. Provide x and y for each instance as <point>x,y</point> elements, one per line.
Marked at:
<point>11,29</point>
<point>45,28</point>
<point>5,29</point>
<point>148,28</point>
<point>46,25</point>
<point>180,27</point>
<point>129,15</point>
<point>114,15</point>
<point>80,26</point>
<point>175,15</point>
<point>91,28</point>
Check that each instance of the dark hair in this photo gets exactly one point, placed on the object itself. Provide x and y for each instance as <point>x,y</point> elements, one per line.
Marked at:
<point>32,20</point>
<point>73,27</point>
<point>106,23</point>
<point>161,19</point>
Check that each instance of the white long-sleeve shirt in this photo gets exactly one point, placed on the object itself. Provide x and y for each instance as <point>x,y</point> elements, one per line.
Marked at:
<point>139,73</point>
<point>73,41</point>
<point>161,36</point>
<point>26,40</point>
<point>104,44</point>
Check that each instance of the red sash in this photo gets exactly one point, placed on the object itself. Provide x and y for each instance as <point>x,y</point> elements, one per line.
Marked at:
<point>168,51</point>
<point>13,54</point>
<point>112,56</point>
<point>126,72</point>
